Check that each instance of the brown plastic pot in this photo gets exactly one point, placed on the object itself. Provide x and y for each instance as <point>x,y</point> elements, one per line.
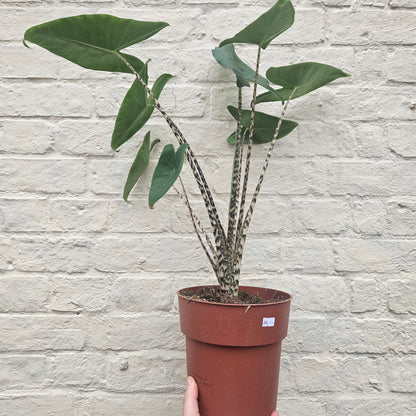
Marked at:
<point>233,352</point>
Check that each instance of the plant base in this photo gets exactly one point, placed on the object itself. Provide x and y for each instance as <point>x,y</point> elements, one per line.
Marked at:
<point>233,352</point>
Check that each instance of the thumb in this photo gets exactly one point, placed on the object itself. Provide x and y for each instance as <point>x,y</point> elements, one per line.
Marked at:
<point>190,402</point>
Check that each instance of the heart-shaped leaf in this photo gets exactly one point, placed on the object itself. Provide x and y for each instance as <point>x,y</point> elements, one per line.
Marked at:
<point>264,126</point>
<point>136,109</point>
<point>227,58</point>
<point>269,25</point>
<point>140,164</point>
<point>299,79</point>
<point>166,172</point>
<point>93,40</point>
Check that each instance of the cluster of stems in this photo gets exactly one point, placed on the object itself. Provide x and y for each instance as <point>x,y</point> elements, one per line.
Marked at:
<point>226,251</point>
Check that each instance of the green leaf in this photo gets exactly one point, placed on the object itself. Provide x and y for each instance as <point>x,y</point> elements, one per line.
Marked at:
<point>227,58</point>
<point>269,25</point>
<point>136,109</point>
<point>158,86</point>
<point>264,126</point>
<point>93,41</point>
<point>141,162</point>
<point>299,79</point>
<point>166,172</point>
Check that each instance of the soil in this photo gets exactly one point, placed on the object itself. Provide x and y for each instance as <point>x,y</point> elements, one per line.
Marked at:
<point>214,294</point>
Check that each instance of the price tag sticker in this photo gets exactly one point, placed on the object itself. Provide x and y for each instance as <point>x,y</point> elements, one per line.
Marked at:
<point>268,322</point>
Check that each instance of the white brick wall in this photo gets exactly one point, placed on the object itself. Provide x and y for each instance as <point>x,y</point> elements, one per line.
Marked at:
<point>81,272</point>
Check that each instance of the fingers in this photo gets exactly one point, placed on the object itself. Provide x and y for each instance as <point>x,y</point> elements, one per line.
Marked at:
<point>275,413</point>
<point>190,402</point>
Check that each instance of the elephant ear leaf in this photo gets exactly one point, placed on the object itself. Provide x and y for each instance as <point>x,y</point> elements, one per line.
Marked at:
<point>140,164</point>
<point>299,79</point>
<point>136,109</point>
<point>166,172</point>
<point>269,25</point>
<point>264,126</point>
<point>227,58</point>
<point>93,40</point>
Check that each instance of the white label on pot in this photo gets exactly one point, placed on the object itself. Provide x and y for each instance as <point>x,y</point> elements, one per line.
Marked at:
<point>268,322</point>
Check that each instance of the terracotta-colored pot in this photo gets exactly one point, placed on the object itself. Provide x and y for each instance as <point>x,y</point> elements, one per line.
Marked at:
<point>233,352</point>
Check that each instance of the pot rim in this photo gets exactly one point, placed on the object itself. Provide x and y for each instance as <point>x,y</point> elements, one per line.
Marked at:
<point>240,305</point>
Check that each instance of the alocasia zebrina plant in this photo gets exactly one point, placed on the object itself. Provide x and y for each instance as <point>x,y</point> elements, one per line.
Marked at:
<point>96,42</point>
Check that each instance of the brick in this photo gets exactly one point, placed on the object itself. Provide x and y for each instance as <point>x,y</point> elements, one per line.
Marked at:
<point>402,377</point>
<point>401,138</point>
<point>399,65</point>
<point>51,254</point>
<point>107,404</point>
<point>84,137</point>
<point>401,215</point>
<point>366,405</point>
<point>41,403</point>
<point>45,100</point>
<point>401,295</point>
<point>393,27</point>
<point>320,294</point>
<point>320,216</point>
<point>14,137</point>
<point>405,336</point>
<point>22,372</point>
<point>132,294</point>
<point>375,179</point>
<point>374,255</point>
<point>365,295</point>
<point>43,175</point>
<point>23,294</point>
<point>154,371</point>
<point>371,141</point>
<point>335,375</point>
<point>369,217</point>
<point>80,294</point>
<point>152,253</point>
<point>35,333</point>
<point>402,3</point>
<point>324,139</point>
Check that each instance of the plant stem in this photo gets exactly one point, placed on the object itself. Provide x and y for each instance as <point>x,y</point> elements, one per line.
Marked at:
<point>246,171</point>
<point>235,181</point>
<point>249,213</point>
<point>218,230</point>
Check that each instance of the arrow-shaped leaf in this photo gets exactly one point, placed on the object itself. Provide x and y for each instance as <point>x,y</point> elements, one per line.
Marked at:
<point>269,25</point>
<point>299,79</point>
<point>227,58</point>
<point>264,126</point>
<point>141,162</point>
<point>136,109</point>
<point>166,172</point>
<point>93,40</point>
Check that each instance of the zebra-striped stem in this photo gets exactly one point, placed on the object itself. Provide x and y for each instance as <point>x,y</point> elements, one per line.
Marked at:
<point>242,237</point>
<point>248,156</point>
<point>198,228</point>
<point>236,180</point>
<point>219,234</point>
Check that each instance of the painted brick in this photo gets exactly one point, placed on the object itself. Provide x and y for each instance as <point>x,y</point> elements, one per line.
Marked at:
<point>43,175</point>
<point>36,333</point>
<point>401,138</point>
<point>14,137</point>
<point>24,294</point>
<point>401,295</point>
<point>62,100</point>
<point>403,378</point>
<point>399,63</point>
<point>392,27</point>
<point>374,255</point>
<point>365,295</point>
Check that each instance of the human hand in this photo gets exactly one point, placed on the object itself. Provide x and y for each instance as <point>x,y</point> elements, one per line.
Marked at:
<point>190,401</point>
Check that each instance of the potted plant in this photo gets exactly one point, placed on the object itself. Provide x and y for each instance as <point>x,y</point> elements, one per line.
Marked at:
<point>233,332</point>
